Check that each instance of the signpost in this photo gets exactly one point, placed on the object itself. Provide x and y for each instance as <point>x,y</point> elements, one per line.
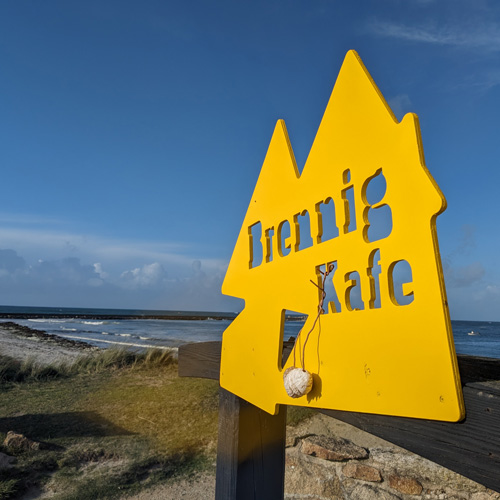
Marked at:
<point>351,244</point>
<point>360,223</point>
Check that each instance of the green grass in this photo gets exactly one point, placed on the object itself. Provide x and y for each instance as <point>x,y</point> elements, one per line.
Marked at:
<point>111,424</point>
<point>12,370</point>
<point>8,488</point>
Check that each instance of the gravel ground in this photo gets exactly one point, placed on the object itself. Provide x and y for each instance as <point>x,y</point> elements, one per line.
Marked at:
<point>200,487</point>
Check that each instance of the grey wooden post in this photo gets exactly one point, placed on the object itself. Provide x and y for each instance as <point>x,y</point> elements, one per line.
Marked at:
<point>250,451</point>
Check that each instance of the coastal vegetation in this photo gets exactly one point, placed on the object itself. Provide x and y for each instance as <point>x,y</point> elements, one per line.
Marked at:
<point>13,370</point>
<point>109,425</point>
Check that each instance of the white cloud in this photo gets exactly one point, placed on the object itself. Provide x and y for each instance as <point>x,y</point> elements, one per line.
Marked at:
<point>484,35</point>
<point>70,282</point>
<point>53,267</point>
<point>483,81</point>
<point>493,290</point>
<point>146,276</point>
<point>62,272</point>
<point>98,269</point>
<point>49,244</point>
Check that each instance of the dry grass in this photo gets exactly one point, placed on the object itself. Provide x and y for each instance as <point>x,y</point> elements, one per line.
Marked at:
<point>110,424</point>
<point>12,370</point>
<point>177,414</point>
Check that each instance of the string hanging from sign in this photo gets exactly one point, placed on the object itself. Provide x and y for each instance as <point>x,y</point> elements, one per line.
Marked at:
<point>298,381</point>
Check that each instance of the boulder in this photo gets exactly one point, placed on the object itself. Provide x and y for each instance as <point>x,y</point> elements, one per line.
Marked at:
<point>19,442</point>
<point>406,485</point>
<point>306,475</point>
<point>363,472</point>
<point>336,449</point>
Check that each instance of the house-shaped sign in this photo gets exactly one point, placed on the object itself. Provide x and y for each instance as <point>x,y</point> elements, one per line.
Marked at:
<point>365,208</point>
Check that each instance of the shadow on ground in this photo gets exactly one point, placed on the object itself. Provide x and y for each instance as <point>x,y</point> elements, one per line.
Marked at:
<point>61,425</point>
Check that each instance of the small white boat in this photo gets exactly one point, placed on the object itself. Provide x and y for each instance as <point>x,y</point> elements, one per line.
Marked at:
<point>472,332</point>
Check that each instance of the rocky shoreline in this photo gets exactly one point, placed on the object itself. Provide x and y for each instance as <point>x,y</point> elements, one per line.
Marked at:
<point>182,317</point>
<point>31,333</point>
<point>22,343</point>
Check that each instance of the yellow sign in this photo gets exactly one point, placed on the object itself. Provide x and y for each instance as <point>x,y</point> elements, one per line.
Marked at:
<point>364,209</point>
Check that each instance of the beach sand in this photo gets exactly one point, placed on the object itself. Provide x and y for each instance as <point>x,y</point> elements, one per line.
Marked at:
<point>23,343</point>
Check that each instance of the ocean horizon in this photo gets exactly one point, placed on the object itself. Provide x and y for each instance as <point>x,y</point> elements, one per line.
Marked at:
<point>142,328</point>
<point>31,311</point>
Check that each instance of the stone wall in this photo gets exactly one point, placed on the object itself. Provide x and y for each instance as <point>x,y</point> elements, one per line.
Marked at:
<point>328,459</point>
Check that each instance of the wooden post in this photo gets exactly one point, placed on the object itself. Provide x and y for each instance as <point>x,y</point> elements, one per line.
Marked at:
<point>250,451</point>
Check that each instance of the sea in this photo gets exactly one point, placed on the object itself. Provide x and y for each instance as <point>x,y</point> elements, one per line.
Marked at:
<point>163,329</point>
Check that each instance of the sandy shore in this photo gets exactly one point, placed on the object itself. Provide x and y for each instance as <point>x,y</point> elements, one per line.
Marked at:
<point>23,343</point>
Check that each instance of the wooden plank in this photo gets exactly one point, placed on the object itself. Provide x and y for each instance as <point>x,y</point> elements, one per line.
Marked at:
<point>471,447</point>
<point>250,451</point>
<point>492,386</point>
<point>200,360</point>
<point>475,368</point>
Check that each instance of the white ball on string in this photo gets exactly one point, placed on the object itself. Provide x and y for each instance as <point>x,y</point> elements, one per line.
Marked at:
<point>298,382</point>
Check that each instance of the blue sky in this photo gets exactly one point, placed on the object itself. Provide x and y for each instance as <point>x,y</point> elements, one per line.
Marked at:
<point>132,135</point>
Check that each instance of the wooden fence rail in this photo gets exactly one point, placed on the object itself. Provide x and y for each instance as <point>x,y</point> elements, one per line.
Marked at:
<point>251,447</point>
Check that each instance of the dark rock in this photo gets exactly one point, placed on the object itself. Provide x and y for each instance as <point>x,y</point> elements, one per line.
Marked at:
<point>332,448</point>
<point>292,440</point>
<point>19,442</point>
<point>304,475</point>
<point>363,472</point>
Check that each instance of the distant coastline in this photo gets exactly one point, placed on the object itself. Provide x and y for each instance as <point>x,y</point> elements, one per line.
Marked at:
<point>20,312</point>
<point>185,316</point>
